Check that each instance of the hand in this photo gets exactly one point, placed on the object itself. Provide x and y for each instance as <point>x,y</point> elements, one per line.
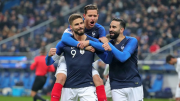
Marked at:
<point>90,48</point>
<point>104,40</point>
<point>83,44</point>
<point>106,47</point>
<point>52,52</point>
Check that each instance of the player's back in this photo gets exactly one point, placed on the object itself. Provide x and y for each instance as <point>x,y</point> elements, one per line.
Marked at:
<point>97,31</point>
<point>79,67</point>
<point>124,74</point>
<point>40,64</point>
<point>178,67</point>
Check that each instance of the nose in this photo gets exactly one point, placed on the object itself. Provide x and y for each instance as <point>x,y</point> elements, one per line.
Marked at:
<point>92,17</point>
<point>110,29</point>
<point>80,25</point>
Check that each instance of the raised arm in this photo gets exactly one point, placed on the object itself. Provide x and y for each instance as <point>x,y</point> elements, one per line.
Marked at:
<point>129,49</point>
<point>67,38</point>
<point>97,45</point>
<point>54,53</point>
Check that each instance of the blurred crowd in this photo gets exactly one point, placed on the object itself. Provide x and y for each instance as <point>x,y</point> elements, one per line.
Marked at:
<point>155,23</point>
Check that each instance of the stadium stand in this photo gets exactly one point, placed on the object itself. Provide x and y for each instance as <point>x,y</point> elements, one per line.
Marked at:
<point>155,24</point>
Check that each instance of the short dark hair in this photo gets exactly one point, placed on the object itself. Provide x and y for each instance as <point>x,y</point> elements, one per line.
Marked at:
<point>74,17</point>
<point>168,58</point>
<point>43,50</point>
<point>121,21</point>
<point>90,7</point>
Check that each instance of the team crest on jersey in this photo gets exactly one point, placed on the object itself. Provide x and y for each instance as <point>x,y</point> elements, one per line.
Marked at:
<point>122,47</point>
<point>93,34</point>
<point>82,51</point>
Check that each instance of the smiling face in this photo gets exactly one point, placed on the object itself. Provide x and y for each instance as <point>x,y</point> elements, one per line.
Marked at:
<point>114,29</point>
<point>78,26</point>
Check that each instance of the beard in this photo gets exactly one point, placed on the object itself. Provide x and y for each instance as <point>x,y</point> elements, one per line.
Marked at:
<point>116,34</point>
<point>79,33</point>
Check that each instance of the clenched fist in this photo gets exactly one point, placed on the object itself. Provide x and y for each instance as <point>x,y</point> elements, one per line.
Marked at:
<point>52,52</point>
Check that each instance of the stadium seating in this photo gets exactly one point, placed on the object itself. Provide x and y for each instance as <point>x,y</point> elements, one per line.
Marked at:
<point>157,85</point>
<point>6,80</point>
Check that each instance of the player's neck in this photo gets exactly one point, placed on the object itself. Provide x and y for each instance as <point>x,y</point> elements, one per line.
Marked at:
<point>80,38</point>
<point>119,38</point>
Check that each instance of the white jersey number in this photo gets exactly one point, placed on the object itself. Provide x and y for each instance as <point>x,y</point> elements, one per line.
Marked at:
<point>73,52</point>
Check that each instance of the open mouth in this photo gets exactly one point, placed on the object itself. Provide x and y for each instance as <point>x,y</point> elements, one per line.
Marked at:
<point>92,22</point>
<point>111,33</point>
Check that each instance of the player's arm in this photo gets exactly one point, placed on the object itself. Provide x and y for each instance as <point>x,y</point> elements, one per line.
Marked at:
<point>67,38</point>
<point>97,45</point>
<point>34,64</point>
<point>94,39</point>
<point>106,56</point>
<point>54,53</point>
<point>128,50</point>
<point>101,30</point>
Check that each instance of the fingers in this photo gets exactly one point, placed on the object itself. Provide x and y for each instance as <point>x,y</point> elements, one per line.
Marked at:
<point>92,49</point>
<point>52,52</point>
<point>80,45</point>
<point>106,47</point>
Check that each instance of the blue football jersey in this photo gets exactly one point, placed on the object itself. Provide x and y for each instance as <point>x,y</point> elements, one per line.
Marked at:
<point>79,67</point>
<point>125,74</point>
<point>97,31</point>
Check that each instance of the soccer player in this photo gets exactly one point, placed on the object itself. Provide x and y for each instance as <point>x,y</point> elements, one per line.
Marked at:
<point>79,82</point>
<point>41,70</point>
<point>92,29</point>
<point>172,60</point>
<point>125,80</point>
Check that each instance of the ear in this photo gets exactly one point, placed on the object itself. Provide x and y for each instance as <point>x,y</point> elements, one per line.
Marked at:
<point>122,29</point>
<point>84,16</point>
<point>70,27</point>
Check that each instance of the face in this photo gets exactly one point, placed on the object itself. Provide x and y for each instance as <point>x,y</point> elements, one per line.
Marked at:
<point>78,26</point>
<point>172,62</point>
<point>91,18</point>
<point>114,29</point>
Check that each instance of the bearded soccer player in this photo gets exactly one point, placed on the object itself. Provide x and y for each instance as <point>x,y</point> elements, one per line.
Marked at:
<point>92,29</point>
<point>79,82</point>
<point>125,80</point>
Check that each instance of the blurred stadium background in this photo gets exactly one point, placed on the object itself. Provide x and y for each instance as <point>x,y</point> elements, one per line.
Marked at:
<point>28,25</point>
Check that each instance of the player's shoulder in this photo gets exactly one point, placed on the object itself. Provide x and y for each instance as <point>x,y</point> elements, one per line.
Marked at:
<point>60,43</point>
<point>68,30</point>
<point>98,26</point>
<point>133,39</point>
